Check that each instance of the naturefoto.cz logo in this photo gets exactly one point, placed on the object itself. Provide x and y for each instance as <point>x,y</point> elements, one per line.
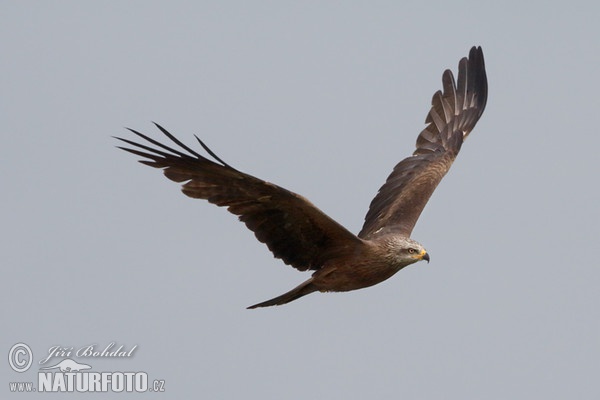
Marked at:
<point>58,371</point>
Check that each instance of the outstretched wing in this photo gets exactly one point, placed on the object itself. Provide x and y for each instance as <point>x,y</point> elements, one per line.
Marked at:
<point>292,228</point>
<point>454,113</point>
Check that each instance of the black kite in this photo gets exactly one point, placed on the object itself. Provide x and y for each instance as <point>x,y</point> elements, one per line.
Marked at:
<point>302,235</point>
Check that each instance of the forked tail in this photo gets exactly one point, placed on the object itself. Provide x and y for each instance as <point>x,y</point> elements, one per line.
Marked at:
<point>303,289</point>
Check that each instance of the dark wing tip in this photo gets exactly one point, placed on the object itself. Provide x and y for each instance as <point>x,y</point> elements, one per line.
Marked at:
<point>167,150</point>
<point>478,77</point>
<point>212,153</point>
<point>457,107</point>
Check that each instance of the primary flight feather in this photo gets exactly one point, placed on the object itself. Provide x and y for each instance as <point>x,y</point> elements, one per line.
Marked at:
<point>303,236</point>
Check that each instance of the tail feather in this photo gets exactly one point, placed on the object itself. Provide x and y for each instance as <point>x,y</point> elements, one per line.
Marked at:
<point>303,289</point>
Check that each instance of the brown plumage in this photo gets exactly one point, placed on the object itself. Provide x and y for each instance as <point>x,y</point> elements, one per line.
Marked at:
<point>303,236</point>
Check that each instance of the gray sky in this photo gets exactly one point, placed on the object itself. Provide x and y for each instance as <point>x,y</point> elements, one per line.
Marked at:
<point>323,98</point>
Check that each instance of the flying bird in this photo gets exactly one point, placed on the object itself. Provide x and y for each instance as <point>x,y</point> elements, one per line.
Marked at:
<point>304,237</point>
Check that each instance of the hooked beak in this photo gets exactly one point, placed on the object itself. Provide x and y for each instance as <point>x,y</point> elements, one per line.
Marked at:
<point>424,256</point>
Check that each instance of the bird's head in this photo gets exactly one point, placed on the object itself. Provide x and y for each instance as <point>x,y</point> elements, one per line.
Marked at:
<point>405,251</point>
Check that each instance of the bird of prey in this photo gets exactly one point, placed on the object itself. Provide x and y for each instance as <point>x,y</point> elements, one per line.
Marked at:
<point>304,237</point>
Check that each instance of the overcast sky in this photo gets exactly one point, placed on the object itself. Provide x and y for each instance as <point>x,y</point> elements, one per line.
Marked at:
<point>322,98</point>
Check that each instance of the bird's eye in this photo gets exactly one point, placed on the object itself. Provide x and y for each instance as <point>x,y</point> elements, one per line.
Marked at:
<point>411,251</point>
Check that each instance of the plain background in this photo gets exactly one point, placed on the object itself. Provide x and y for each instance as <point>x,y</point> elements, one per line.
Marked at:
<point>323,98</point>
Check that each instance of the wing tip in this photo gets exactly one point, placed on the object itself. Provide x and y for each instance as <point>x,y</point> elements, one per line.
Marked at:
<point>175,152</point>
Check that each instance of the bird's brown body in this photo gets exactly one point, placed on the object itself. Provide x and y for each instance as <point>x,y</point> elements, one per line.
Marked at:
<point>307,239</point>
<point>370,263</point>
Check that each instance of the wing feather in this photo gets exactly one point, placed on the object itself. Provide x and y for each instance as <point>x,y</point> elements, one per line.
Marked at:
<point>454,112</point>
<point>292,227</point>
